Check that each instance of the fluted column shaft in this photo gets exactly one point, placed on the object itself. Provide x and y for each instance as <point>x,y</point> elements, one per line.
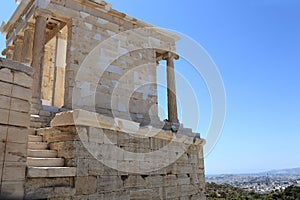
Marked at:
<point>28,44</point>
<point>171,92</point>
<point>38,54</point>
<point>18,45</point>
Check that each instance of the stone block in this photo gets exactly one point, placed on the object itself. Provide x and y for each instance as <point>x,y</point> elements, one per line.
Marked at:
<point>35,183</point>
<point>102,100</point>
<point>84,197</point>
<point>186,190</point>
<point>96,135</point>
<point>81,151</point>
<point>2,150</point>
<point>4,114</point>
<point>196,178</point>
<point>170,180</point>
<point>21,92</point>
<point>19,119</point>
<point>22,79</point>
<point>4,102</point>
<point>82,167</point>
<point>119,195</point>
<point>73,5</point>
<point>172,192</point>
<point>183,168</point>
<point>110,152</point>
<point>5,88</point>
<point>110,137</point>
<point>63,11</point>
<point>134,181</point>
<point>86,185</point>
<point>20,105</point>
<point>16,152</point>
<point>54,172</point>
<point>129,156</point>
<point>126,125</point>
<point>14,171</point>
<point>17,135</point>
<point>6,75</point>
<point>12,190</point>
<point>60,2</point>
<point>45,113</point>
<point>184,181</point>
<point>96,168</point>
<point>123,139</point>
<point>109,183</point>
<point>144,194</point>
<point>64,191</point>
<point>56,192</point>
<point>3,133</point>
<point>46,131</point>
<point>64,149</point>
<point>154,181</point>
<point>60,137</point>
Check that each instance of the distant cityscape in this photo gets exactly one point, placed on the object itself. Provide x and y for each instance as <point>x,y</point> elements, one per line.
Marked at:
<point>260,182</point>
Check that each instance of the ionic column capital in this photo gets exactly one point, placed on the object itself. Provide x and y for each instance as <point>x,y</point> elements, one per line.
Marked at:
<point>19,39</point>
<point>170,55</point>
<point>8,50</point>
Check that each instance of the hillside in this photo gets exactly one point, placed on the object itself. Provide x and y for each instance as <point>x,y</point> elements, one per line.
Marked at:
<point>224,191</point>
<point>292,171</point>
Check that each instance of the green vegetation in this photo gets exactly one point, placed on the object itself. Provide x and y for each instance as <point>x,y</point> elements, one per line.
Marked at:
<point>224,191</point>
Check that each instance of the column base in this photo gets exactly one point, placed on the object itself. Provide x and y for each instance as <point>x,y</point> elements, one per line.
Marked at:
<point>172,126</point>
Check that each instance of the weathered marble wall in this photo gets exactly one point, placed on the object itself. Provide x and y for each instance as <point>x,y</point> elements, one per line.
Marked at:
<point>15,95</point>
<point>125,88</point>
<point>53,79</point>
<point>48,72</point>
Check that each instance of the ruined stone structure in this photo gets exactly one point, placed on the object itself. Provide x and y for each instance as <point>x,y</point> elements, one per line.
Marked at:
<point>15,95</point>
<point>106,140</point>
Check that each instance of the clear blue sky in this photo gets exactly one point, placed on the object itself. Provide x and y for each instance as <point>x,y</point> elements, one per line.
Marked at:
<point>256,46</point>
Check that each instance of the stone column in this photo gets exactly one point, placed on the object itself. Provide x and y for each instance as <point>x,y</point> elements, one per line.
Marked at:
<point>172,103</point>
<point>38,54</point>
<point>18,43</point>
<point>28,44</point>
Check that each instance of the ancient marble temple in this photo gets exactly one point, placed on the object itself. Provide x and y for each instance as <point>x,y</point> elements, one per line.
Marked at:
<point>78,108</point>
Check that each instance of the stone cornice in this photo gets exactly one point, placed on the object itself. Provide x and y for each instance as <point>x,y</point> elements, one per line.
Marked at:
<point>86,118</point>
<point>16,66</point>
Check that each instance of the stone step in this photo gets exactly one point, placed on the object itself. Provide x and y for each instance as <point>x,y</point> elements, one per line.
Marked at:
<point>45,113</point>
<point>44,131</point>
<point>42,153</point>
<point>45,162</point>
<point>40,120</point>
<point>37,145</point>
<point>35,172</point>
<point>35,138</point>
